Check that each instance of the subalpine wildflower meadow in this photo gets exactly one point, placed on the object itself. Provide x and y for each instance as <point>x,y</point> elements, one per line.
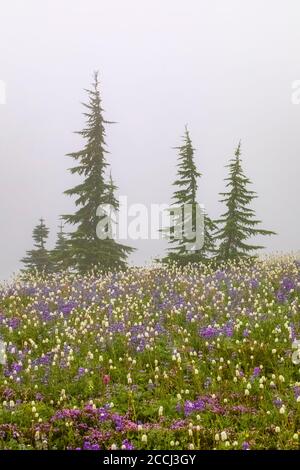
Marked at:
<point>144,313</point>
<point>164,357</point>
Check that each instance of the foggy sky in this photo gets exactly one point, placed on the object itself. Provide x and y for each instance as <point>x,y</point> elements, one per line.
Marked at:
<point>223,67</point>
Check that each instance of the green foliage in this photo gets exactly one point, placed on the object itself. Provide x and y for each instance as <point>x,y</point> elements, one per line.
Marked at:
<point>186,187</point>
<point>60,255</point>
<point>39,258</point>
<point>238,223</point>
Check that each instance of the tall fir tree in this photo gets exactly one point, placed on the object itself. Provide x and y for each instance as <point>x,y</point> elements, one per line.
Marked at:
<point>238,223</point>
<point>60,255</point>
<point>39,259</point>
<point>89,248</point>
<point>185,193</point>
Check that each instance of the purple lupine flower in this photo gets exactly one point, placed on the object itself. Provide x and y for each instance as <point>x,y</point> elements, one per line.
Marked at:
<point>246,446</point>
<point>191,406</point>
<point>281,296</point>
<point>178,424</point>
<point>14,323</point>
<point>81,371</point>
<point>89,446</point>
<point>126,445</point>
<point>67,308</point>
<point>293,332</point>
<point>287,284</point>
<point>39,396</point>
<point>277,402</point>
<point>209,332</point>
<point>178,408</point>
<point>228,329</point>
<point>297,392</point>
<point>254,283</point>
<point>220,275</point>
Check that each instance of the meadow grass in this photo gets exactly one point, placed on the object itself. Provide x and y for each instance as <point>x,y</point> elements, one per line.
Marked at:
<point>153,358</point>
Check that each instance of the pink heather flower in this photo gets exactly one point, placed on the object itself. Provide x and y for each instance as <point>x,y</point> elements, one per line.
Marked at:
<point>106,379</point>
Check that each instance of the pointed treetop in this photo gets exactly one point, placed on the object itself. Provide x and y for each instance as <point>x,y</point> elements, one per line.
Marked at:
<point>96,79</point>
<point>61,226</point>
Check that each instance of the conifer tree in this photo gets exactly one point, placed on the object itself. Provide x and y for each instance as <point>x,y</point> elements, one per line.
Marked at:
<point>209,247</point>
<point>186,186</point>
<point>38,259</point>
<point>238,223</point>
<point>88,249</point>
<point>60,255</point>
